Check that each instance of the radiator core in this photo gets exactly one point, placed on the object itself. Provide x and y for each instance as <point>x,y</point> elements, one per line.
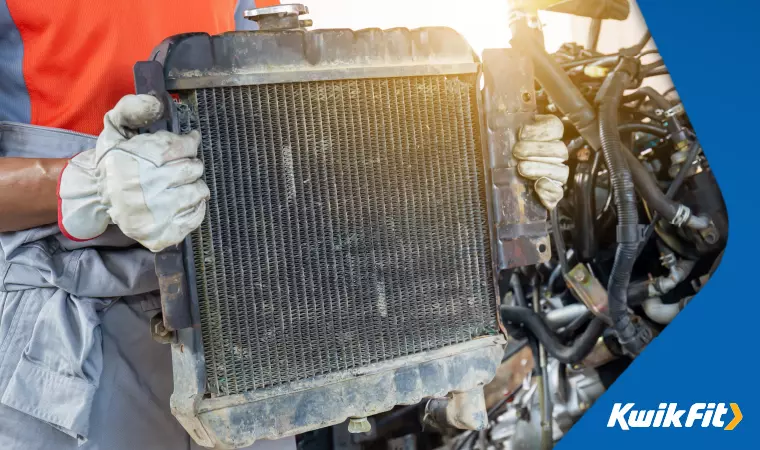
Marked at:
<point>347,225</point>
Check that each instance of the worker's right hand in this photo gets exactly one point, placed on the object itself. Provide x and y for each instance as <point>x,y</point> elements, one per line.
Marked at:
<point>147,184</point>
<point>542,156</point>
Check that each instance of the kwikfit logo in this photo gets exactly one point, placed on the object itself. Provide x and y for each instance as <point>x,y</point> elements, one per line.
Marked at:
<point>668,415</point>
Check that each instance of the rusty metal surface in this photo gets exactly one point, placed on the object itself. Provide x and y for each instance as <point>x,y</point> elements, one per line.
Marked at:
<point>176,301</point>
<point>158,330</point>
<point>172,282</point>
<point>522,236</point>
<point>467,410</point>
<point>589,290</point>
<point>509,376</point>
<point>599,356</point>
<point>188,367</point>
<point>239,420</point>
<point>282,56</point>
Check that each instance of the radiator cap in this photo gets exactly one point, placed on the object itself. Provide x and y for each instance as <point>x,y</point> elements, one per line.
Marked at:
<point>279,17</point>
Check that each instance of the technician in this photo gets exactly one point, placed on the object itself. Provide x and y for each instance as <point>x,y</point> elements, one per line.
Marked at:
<point>84,201</point>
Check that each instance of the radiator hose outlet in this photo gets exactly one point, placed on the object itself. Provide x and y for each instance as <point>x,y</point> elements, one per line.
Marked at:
<point>463,410</point>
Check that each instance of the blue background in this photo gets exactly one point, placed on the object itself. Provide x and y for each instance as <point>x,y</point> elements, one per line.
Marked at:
<point>709,353</point>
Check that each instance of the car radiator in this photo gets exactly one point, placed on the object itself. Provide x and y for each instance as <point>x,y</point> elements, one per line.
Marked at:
<point>347,226</point>
<point>345,262</point>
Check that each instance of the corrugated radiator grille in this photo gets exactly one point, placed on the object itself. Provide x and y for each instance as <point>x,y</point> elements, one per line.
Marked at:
<point>347,225</point>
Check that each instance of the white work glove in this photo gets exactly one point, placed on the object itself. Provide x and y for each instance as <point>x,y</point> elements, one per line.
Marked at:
<point>148,184</point>
<point>541,156</point>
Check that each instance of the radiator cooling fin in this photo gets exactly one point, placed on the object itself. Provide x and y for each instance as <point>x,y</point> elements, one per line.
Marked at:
<point>347,225</point>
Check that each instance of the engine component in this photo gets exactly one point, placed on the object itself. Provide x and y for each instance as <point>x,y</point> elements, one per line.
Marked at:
<point>679,270</point>
<point>572,394</point>
<point>650,147</point>
<point>345,263</point>
<point>590,291</point>
<point>515,317</point>
<point>463,410</point>
<point>560,317</point>
<point>660,312</point>
<point>519,426</point>
<point>599,355</point>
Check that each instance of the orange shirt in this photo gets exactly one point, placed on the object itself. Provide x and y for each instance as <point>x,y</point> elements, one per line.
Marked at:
<point>78,55</point>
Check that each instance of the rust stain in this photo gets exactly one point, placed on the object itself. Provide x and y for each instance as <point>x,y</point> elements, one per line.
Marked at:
<point>509,375</point>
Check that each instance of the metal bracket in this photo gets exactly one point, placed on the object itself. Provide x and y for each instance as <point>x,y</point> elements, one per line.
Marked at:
<point>589,290</point>
<point>172,282</point>
<point>158,331</point>
<point>521,235</point>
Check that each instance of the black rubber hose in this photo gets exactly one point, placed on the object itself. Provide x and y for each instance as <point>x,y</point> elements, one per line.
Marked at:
<point>574,326</point>
<point>677,134</point>
<point>636,49</point>
<point>559,241</point>
<point>573,354</point>
<point>584,211</point>
<point>556,82</point>
<point>645,184</point>
<point>652,129</point>
<point>673,189</point>
<point>555,275</point>
<point>650,67</point>
<point>517,290</point>
<point>650,92</point>
<point>628,217</point>
<point>638,291</point>
<point>656,72</point>
<point>691,156</point>
<point>647,187</point>
<point>656,199</point>
<point>577,143</point>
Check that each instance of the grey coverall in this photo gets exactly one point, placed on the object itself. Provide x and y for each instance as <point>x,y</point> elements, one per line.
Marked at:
<point>78,368</point>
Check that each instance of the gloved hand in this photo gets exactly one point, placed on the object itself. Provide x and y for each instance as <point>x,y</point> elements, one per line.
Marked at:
<point>542,155</point>
<point>148,185</point>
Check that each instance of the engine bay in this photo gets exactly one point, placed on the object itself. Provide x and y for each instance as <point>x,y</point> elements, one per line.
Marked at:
<point>641,229</point>
<point>375,272</point>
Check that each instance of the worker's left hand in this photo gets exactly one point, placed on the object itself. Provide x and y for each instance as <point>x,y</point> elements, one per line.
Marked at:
<point>542,156</point>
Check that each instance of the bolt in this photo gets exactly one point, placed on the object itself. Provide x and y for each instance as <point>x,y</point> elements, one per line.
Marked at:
<point>710,235</point>
<point>161,329</point>
<point>579,276</point>
<point>359,425</point>
<point>583,154</point>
